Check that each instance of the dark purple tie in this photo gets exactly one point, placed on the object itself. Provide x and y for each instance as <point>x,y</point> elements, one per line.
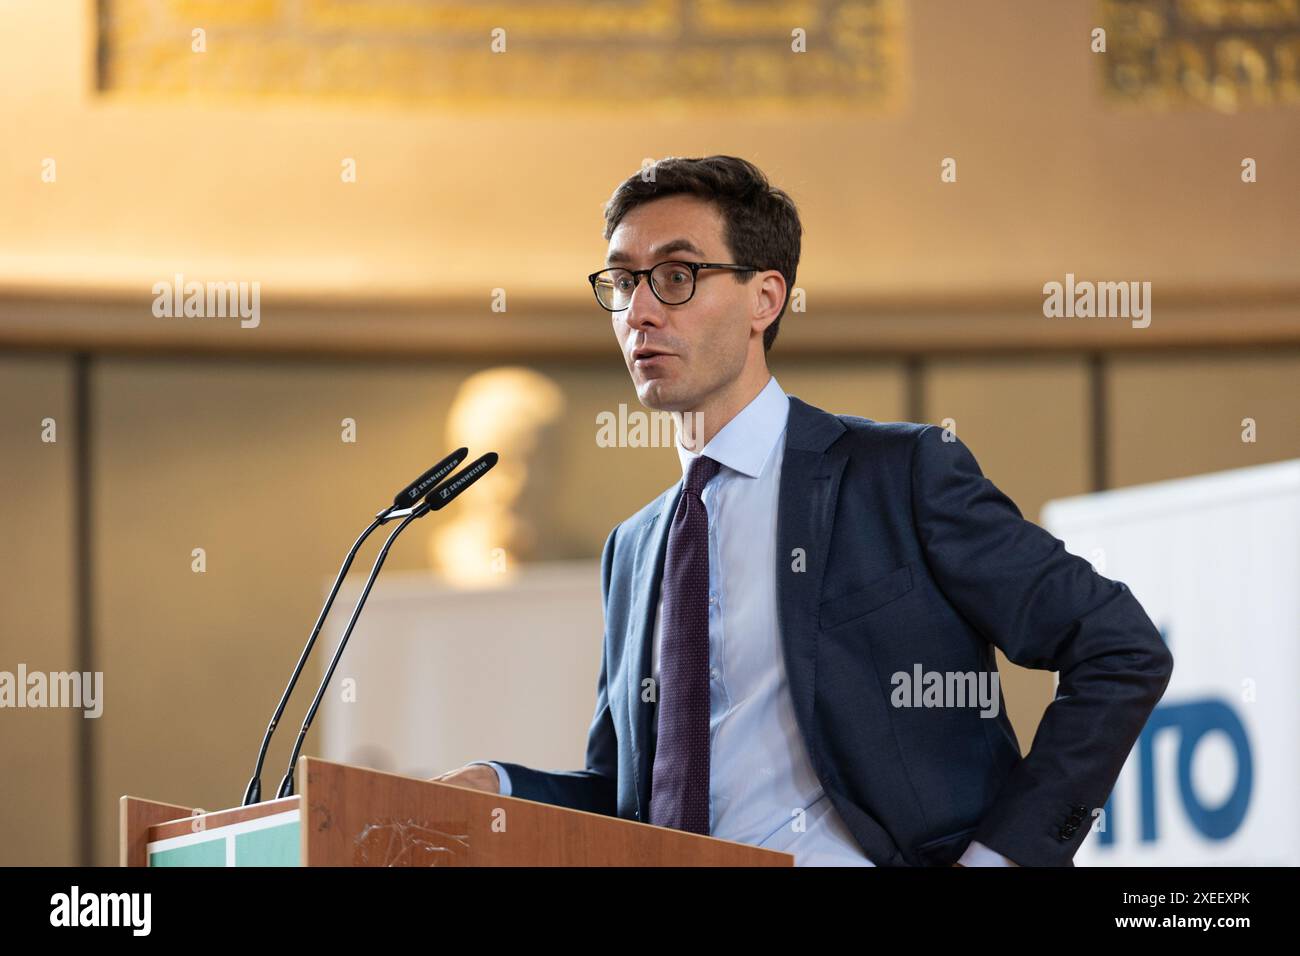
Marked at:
<point>679,790</point>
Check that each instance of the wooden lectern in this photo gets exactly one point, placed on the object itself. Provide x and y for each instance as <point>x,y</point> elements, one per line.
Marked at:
<point>351,816</point>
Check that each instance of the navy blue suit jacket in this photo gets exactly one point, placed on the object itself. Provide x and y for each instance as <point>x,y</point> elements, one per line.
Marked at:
<point>912,556</point>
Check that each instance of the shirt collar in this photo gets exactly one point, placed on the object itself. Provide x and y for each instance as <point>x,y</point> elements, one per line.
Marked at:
<point>745,443</point>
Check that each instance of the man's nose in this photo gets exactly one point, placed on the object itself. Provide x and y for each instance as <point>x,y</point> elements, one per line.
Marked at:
<point>644,308</point>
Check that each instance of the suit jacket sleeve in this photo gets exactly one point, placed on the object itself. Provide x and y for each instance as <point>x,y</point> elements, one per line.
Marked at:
<point>594,789</point>
<point>1046,609</point>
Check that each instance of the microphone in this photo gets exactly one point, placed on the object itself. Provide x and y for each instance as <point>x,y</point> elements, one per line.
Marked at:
<point>253,793</point>
<point>436,500</point>
<point>444,495</point>
<point>412,492</point>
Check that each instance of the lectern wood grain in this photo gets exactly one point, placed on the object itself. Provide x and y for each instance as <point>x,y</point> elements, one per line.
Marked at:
<point>351,816</point>
<point>220,818</point>
<point>357,817</point>
<point>134,818</point>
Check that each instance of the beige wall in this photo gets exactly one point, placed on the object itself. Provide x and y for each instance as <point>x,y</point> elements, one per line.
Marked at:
<point>1178,416</point>
<point>38,748</point>
<point>1051,177</point>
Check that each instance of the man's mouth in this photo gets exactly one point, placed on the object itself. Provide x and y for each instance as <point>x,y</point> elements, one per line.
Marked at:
<point>645,356</point>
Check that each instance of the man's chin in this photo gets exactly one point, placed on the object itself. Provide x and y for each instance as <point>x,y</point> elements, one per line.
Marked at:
<point>661,397</point>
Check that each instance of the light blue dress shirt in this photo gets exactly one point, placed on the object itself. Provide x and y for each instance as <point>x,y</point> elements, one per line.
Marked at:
<point>762,788</point>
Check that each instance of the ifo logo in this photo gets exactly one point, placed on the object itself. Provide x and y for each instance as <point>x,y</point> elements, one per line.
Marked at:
<point>1193,721</point>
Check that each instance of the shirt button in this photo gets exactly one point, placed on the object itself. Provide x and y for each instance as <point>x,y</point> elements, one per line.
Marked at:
<point>714,673</point>
<point>713,599</point>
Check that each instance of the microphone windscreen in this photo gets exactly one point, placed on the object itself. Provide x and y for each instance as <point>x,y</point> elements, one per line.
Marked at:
<point>445,493</point>
<point>421,486</point>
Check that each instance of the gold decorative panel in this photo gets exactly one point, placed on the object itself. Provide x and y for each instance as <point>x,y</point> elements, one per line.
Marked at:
<point>680,52</point>
<point>1225,54</point>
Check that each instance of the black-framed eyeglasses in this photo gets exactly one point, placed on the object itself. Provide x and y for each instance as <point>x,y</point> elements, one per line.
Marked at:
<point>672,282</point>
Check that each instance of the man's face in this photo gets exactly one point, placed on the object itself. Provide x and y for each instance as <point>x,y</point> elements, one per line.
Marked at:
<point>702,344</point>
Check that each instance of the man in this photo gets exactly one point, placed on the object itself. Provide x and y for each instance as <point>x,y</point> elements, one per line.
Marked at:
<point>763,615</point>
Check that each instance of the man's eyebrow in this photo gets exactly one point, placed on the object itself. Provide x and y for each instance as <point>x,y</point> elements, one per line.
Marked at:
<point>673,245</point>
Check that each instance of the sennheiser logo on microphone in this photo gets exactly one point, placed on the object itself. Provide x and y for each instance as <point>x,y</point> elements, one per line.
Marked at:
<point>433,479</point>
<point>460,482</point>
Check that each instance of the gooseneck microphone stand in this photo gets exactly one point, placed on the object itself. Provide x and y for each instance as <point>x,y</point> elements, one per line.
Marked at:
<point>411,493</point>
<point>437,499</point>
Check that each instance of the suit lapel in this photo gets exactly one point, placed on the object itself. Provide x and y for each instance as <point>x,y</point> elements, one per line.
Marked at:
<point>647,573</point>
<point>810,484</point>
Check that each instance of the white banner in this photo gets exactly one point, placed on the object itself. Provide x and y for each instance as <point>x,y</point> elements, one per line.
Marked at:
<point>1215,561</point>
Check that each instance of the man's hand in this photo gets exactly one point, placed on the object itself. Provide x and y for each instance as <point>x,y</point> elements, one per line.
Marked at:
<point>475,776</point>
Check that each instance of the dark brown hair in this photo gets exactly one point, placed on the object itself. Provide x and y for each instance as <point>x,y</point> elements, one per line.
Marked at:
<point>761,225</point>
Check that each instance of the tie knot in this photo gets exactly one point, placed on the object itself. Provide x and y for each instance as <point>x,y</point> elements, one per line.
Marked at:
<point>697,476</point>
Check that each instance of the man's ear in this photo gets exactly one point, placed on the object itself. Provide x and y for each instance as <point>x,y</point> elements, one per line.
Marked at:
<point>772,296</point>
